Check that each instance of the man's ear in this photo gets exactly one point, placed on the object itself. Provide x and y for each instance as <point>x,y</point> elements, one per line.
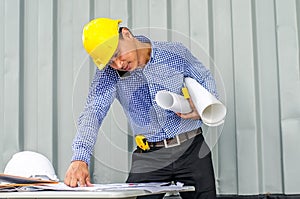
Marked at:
<point>126,33</point>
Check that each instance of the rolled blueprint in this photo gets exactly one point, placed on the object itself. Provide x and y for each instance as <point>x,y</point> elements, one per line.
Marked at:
<point>172,101</point>
<point>210,109</point>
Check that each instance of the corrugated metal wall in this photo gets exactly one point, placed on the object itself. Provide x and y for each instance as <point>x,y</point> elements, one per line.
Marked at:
<point>254,46</point>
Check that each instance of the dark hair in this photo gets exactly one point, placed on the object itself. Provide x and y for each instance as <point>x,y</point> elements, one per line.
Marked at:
<point>120,32</point>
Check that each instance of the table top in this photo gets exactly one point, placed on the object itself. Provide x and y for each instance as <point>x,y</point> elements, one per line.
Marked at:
<point>128,194</point>
<point>125,194</point>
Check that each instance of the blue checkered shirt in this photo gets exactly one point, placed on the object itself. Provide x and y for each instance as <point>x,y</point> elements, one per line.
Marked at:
<point>169,64</point>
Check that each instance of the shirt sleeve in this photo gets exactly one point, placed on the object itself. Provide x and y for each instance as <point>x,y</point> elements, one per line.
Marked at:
<point>101,95</point>
<point>196,70</point>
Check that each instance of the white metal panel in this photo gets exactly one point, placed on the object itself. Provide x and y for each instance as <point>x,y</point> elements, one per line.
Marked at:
<point>65,71</point>
<point>118,9</point>
<point>199,30</point>
<point>101,8</point>
<point>81,70</point>
<point>11,79</point>
<point>149,18</point>
<point>38,77</point>
<point>2,47</point>
<point>158,22</point>
<point>45,77</point>
<point>71,16</point>
<point>31,76</point>
<point>141,19</point>
<point>114,9</point>
<point>289,74</point>
<point>223,57</point>
<point>180,22</point>
<point>246,132</point>
<point>140,16</point>
<point>267,95</point>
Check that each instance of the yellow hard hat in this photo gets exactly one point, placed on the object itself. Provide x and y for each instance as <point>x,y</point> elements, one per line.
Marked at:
<point>100,39</point>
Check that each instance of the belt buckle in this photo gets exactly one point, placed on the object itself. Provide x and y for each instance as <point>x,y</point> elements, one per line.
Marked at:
<point>172,145</point>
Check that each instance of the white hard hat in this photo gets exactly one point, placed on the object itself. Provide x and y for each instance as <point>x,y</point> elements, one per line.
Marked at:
<point>30,164</point>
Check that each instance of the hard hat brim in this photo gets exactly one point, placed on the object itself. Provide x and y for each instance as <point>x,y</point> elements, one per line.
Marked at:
<point>104,52</point>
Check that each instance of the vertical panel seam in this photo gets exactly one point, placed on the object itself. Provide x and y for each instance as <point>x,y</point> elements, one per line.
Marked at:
<point>211,61</point>
<point>21,75</point>
<point>91,68</point>
<point>298,30</point>
<point>37,79</point>
<point>148,18</point>
<point>169,20</point>
<point>189,13</point>
<point>2,77</point>
<point>279,98</point>
<point>234,97</point>
<point>55,86</point>
<point>211,38</point>
<point>130,142</point>
<point>2,81</point>
<point>257,94</point>
<point>91,16</point>
<point>129,14</point>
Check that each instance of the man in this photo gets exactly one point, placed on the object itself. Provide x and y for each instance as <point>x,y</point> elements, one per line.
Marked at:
<point>132,69</point>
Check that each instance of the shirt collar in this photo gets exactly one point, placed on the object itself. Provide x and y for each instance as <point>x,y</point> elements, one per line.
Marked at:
<point>144,39</point>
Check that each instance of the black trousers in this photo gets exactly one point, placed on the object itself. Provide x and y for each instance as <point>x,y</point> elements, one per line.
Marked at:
<point>189,163</point>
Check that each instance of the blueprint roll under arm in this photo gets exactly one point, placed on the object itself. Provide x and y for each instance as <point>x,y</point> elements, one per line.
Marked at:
<point>172,101</point>
<point>210,109</point>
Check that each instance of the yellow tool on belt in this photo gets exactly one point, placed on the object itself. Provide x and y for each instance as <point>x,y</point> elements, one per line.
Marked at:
<point>142,142</point>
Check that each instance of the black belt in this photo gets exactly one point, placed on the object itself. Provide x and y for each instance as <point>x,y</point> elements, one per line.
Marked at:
<point>177,140</point>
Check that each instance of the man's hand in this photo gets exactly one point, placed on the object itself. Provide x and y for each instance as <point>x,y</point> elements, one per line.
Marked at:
<point>78,175</point>
<point>193,114</point>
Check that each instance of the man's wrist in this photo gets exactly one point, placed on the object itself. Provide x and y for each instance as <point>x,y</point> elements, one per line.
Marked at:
<point>81,157</point>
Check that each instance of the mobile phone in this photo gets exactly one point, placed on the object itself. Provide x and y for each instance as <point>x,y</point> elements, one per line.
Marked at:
<point>123,74</point>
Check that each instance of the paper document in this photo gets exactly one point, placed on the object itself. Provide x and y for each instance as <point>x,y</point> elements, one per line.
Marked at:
<point>10,182</point>
<point>149,187</point>
<point>11,179</point>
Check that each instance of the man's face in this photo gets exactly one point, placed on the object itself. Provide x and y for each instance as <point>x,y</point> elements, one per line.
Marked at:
<point>126,56</point>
